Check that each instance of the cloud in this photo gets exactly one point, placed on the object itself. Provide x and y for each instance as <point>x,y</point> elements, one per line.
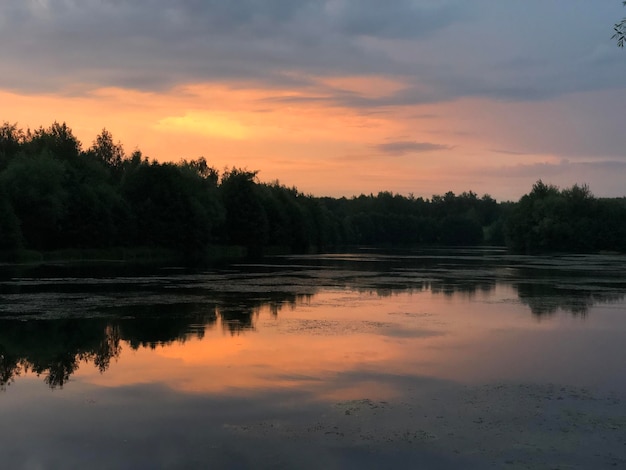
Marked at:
<point>403,147</point>
<point>563,167</point>
<point>159,43</point>
<point>508,152</point>
<point>443,50</point>
<point>400,19</point>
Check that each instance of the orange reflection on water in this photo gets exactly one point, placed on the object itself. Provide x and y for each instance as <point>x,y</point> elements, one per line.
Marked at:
<point>337,345</point>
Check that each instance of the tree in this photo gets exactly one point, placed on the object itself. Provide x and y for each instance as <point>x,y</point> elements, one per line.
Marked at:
<point>459,230</point>
<point>58,141</point>
<point>10,233</point>
<point>246,219</point>
<point>568,220</point>
<point>35,189</point>
<point>11,139</point>
<point>96,214</point>
<point>202,169</point>
<point>105,150</point>
<point>620,31</point>
<point>172,207</point>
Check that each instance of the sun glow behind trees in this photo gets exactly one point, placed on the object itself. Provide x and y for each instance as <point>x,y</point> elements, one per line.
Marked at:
<point>56,195</point>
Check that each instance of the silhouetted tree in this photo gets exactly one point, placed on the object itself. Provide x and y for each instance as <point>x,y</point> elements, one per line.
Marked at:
<point>10,232</point>
<point>458,230</point>
<point>572,220</point>
<point>105,150</point>
<point>11,141</point>
<point>246,220</point>
<point>203,170</point>
<point>96,214</point>
<point>57,141</point>
<point>171,207</point>
<point>10,367</point>
<point>35,188</point>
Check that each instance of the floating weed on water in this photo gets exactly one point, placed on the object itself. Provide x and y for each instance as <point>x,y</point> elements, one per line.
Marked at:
<point>329,327</point>
<point>354,407</point>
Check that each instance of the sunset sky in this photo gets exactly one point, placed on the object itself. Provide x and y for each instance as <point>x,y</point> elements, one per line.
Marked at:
<point>335,97</point>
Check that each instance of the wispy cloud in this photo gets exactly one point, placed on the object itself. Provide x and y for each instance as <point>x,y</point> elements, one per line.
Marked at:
<point>545,169</point>
<point>403,147</point>
<point>508,152</point>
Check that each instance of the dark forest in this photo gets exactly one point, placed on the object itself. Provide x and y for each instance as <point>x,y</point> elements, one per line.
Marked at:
<point>55,195</point>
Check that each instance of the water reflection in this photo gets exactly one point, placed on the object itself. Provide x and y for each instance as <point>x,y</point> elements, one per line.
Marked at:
<point>54,349</point>
<point>547,299</point>
<point>54,321</point>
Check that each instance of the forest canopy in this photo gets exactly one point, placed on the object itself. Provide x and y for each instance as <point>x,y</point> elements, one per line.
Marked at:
<point>56,195</point>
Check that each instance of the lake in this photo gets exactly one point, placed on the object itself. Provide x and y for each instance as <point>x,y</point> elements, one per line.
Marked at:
<point>437,359</point>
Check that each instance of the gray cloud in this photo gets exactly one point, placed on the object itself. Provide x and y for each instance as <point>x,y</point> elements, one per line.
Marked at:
<point>564,167</point>
<point>400,19</point>
<point>443,50</point>
<point>507,152</point>
<point>403,147</point>
<point>159,43</point>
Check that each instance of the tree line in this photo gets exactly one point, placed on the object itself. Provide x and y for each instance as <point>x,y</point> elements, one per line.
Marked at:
<point>56,195</point>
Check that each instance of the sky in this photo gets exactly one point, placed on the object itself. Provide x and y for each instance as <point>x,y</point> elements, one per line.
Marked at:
<point>334,97</point>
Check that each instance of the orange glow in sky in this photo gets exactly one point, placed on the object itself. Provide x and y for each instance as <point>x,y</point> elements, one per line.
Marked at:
<point>320,147</point>
<point>334,97</point>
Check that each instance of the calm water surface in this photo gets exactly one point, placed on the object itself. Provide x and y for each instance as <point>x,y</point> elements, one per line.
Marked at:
<point>439,359</point>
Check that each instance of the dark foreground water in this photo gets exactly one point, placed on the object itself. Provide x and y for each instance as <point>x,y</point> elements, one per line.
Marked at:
<point>434,360</point>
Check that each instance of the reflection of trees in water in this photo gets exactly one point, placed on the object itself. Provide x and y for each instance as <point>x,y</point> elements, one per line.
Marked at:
<point>540,294</point>
<point>149,326</point>
<point>448,287</point>
<point>467,287</point>
<point>238,314</point>
<point>10,367</point>
<point>56,348</point>
<point>236,320</point>
<point>546,299</point>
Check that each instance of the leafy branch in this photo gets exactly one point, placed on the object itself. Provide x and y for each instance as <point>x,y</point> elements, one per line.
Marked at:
<point>620,31</point>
